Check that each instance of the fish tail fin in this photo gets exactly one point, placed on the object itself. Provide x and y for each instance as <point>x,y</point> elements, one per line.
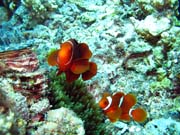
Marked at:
<point>139,114</point>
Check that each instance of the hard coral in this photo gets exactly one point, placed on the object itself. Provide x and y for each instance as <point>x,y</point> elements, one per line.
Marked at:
<point>16,102</point>
<point>19,61</point>
<point>40,9</point>
<point>151,27</point>
<point>150,6</point>
<point>20,68</point>
<point>56,123</point>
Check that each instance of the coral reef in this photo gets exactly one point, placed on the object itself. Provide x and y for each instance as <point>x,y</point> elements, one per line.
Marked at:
<point>10,125</point>
<point>40,106</point>
<point>16,101</point>
<point>22,84</point>
<point>155,6</point>
<point>56,123</point>
<point>131,57</point>
<point>15,42</point>
<point>40,9</point>
<point>11,5</point>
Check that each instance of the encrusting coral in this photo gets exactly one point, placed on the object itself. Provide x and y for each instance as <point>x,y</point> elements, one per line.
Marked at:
<point>76,97</point>
<point>15,101</point>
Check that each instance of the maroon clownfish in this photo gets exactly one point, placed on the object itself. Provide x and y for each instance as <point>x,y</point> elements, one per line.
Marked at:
<point>119,107</point>
<point>73,59</point>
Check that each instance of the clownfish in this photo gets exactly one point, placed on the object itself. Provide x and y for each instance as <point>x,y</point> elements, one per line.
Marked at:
<point>73,59</point>
<point>119,107</point>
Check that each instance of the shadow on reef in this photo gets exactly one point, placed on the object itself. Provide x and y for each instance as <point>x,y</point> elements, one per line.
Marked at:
<point>76,97</point>
<point>178,11</point>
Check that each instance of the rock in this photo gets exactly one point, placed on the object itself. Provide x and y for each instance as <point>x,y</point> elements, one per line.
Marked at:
<point>151,26</point>
<point>165,126</point>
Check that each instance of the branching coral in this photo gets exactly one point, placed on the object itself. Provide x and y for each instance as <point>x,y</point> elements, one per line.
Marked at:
<point>76,97</point>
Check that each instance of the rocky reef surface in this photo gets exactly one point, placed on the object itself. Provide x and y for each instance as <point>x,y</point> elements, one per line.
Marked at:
<point>136,45</point>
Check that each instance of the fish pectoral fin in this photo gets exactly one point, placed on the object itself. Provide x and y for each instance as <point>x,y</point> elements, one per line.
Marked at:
<point>52,58</point>
<point>139,114</point>
<point>80,66</point>
<point>85,53</point>
<point>91,72</point>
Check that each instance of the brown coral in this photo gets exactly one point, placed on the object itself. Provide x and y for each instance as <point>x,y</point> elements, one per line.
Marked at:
<point>21,60</point>
<point>20,67</point>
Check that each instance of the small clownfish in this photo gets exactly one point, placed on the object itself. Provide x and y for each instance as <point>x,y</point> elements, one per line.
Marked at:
<point>118,107</point>
<point>73,59</point>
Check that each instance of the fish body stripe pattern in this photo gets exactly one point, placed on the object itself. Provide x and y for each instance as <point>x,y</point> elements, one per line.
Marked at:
<point>121,101</point>
<point>109,102</point>
<point>71,53</point>
<point>130,111</point>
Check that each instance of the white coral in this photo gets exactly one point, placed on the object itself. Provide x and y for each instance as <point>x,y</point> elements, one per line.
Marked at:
<point>151,25</point>
<point>41,106</point>
<point>61,121</point>
<point>15,101</point>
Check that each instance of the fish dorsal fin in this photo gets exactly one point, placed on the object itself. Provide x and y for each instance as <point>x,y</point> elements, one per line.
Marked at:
<point>106,94</point>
